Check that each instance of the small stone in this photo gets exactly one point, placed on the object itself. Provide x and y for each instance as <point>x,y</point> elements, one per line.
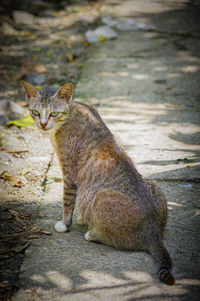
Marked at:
<point>39,79</point>
<point>3,120</point>
<point>103,31</point>
<point>8,30</point>
<point>10,111</point>
<point>22,17</point>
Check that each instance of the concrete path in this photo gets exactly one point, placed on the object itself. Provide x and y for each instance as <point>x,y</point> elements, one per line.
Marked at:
<point>145,84</point>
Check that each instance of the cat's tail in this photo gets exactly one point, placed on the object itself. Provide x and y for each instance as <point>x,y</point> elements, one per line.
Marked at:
<point>161,257</point>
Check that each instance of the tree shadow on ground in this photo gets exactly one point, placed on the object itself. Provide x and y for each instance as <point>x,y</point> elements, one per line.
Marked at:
<point>193,138</point>
<point>72,266</point>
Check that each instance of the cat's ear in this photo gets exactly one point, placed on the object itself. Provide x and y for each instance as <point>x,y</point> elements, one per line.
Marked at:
<point>66,92</point>
<point>30,90</point>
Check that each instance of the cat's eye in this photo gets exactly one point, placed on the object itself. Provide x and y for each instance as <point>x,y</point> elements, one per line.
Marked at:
<point>54,114</point>
<point>35,113</point>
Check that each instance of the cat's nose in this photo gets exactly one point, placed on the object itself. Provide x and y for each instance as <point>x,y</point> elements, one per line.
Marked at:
<point>43,124</point>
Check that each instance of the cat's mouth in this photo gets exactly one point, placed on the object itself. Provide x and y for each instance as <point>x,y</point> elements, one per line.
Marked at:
<point>44,126</point>
<point>45,129</point>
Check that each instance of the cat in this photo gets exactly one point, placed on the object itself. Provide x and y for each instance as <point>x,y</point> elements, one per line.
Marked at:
<point>120,208</point>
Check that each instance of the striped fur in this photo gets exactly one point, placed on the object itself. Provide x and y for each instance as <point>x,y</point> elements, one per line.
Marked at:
<point>120,208</point>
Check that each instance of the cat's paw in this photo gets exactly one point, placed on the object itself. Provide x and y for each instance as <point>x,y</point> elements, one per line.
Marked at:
<point>60,227</point>
<point>90,236</point>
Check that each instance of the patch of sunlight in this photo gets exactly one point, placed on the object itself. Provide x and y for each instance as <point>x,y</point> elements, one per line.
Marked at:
<point>142,109</point>
<point>114,98</point>
<point>54,66</point>
<point>139,76</point>
<point>190,69</point>
<point>60,280</point>
<point>113,73</point>
<point>160,68</point>
<point>153,62</point>
<point>186,57</point>
<point>106,74</point>
<point>43,42</point>
<point>138,276</point>
<point>99,279</point>
<point>192,59</point>
<point>122,73</point>
<point>150,34</point>
<point>154,290</point>
<point>132,66</point>
<point>174,75</point>
<point>173,204</point>
<point>38,278</point>
<point>114,83</point>
<point>188,281</point>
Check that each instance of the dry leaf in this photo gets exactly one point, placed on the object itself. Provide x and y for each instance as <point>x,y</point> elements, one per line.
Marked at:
<point>29,67</point>
<point>45,232</point>
<point>86,43</point>
<point>20,214</point>
<point>22,103</point>
<point>39,68</point>
<point>197,212</point>
<point>169,88</point>
<point>13,151</point>
<point>14,180</point>
<point>26,121</point>
<point>70,57</point>
<point>172,106</point>
<point>19,248</point>
<point>17,239</point>
<point>34,66</point>
<point>101,38</point>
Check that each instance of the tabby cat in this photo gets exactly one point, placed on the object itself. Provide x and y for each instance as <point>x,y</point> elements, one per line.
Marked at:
<point>120,208</point>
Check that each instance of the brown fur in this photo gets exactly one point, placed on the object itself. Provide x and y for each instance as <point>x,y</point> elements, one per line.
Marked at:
<point>120,208</point>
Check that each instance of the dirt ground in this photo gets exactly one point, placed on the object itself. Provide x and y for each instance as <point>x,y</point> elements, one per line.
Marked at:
<point>145,85</point>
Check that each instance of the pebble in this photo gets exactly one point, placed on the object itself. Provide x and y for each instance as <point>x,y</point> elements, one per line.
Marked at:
<point>106,32</point>
<point>8,30</point>
<point>3,120</point>
<point>40,79</point>
<point>22,17</point>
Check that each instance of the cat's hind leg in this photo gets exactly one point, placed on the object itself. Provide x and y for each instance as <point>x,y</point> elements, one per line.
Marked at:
<point>97,234</point>
<point>116,220</point>
<point>91,236</point>
<point>80,220</point>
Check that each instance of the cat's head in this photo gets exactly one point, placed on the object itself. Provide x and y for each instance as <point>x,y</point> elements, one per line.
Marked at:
<point>48,107</point>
